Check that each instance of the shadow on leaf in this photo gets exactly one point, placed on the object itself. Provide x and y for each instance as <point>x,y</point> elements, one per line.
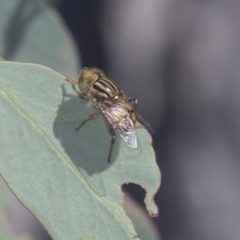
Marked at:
<point>88,147</point>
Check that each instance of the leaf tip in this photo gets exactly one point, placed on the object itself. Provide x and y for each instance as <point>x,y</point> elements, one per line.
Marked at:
<point>151,206</point>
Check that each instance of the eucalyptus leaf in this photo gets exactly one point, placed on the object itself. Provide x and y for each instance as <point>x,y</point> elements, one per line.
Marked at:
<point>61,175</point>
<point>31,31</point>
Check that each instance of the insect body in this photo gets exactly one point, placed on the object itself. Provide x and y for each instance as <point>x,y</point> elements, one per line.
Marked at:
<point>120,119</point>
<point>109,99</point>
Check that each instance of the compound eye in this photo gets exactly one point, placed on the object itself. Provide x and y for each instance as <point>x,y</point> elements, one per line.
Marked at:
<point>87,77</point>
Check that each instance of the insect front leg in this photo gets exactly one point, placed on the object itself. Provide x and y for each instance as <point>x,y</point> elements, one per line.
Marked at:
<point>89,117</point>
<point>75,90</point>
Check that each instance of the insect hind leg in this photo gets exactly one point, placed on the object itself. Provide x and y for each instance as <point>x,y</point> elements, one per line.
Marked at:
<point>112,131</point>
<point>134,103</point>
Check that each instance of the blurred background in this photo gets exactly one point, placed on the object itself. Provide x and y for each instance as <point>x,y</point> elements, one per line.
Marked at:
<point>181,59</point>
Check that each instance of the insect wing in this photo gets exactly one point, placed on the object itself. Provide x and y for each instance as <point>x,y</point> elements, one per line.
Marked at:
<point>130,139</point>
<point>119,118</point>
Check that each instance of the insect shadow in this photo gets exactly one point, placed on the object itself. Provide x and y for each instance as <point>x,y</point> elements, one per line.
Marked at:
<point>88,147</point>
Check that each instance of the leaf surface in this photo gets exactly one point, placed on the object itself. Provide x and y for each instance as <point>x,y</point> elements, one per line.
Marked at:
<point>59,174</point>
<point>30,31</point>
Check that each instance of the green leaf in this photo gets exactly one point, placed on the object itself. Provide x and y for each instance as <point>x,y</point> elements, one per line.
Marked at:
<point>32,32</point>
<point>59,174</point>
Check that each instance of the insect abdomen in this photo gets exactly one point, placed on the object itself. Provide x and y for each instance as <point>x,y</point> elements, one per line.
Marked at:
<point>131,112</point>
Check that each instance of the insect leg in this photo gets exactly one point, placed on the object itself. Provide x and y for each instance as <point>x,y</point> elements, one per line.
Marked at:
<point>112,142</point>
<point>89,117</point>
<point>75,90</point>
<point>145,122</point>
<point>71,81</point>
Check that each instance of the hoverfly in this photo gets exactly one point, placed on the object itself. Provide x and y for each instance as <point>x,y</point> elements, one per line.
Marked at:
<point>109,99</point>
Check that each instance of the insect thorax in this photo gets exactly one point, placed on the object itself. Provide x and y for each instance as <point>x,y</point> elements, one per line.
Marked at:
<point>105,89</point>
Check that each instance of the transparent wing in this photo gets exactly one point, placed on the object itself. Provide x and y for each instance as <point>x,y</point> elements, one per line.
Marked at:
<point>130,139</point>
<point>119,118</point>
